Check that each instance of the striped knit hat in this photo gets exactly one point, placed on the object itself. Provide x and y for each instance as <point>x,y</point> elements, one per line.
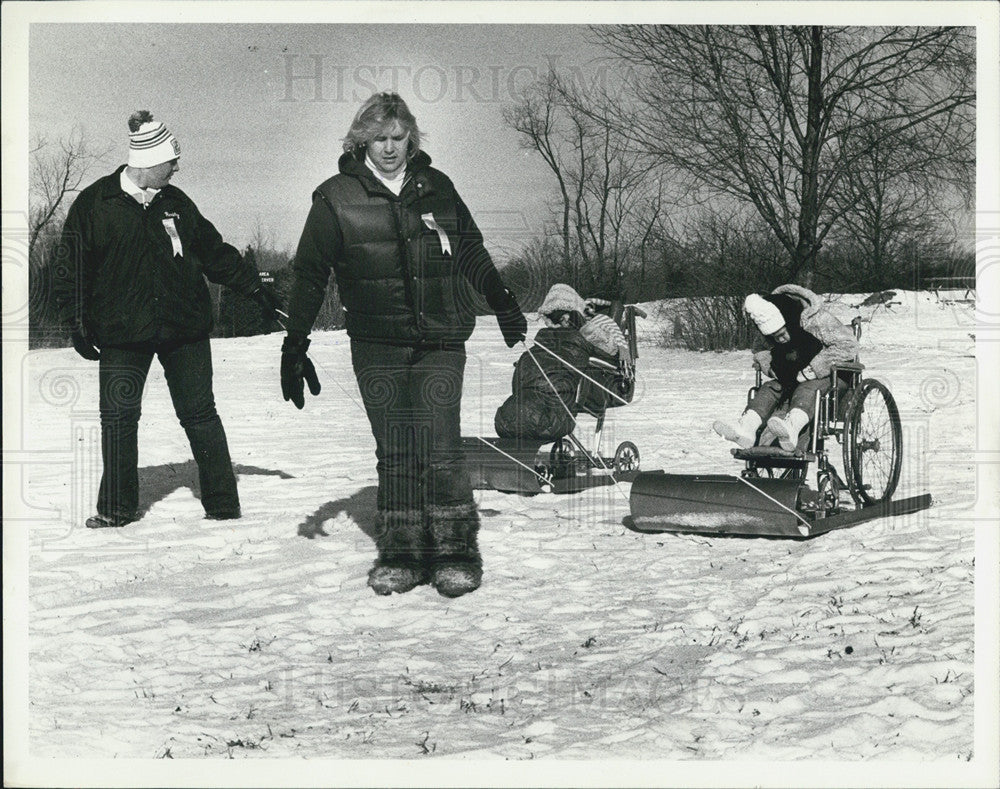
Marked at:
<point>149,142</point>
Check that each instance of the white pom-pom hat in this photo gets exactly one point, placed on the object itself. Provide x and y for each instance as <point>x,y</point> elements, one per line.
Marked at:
<point>767,316</point>
<point>151,145</point>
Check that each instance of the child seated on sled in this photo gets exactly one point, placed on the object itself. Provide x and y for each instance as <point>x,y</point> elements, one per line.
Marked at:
<point>804,341</point>
<point>606,335</point>
<point>544,386</point>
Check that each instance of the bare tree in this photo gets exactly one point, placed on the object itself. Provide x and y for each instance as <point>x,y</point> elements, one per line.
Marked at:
<point>902,188</point>
<point>609,202</point>
<point>56,172</point>
<point>778,117</point>
<point>535,118</point>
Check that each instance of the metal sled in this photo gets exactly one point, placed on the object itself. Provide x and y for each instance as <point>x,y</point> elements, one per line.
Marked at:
<point>772,497</point>
<point>528,467</point>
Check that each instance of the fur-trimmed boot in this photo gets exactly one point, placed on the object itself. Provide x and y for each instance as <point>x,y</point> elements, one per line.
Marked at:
<point>787,430</point>
<point>402,545</point>
<point>743,433</point>
<point>456,567</point>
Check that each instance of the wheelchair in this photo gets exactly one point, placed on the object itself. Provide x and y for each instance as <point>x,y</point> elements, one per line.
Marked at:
<point>861,414</point>
<point>772,497</point>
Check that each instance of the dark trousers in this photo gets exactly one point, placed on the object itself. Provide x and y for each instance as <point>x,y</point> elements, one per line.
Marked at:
<point>188,370</point>
<point>413,398</point>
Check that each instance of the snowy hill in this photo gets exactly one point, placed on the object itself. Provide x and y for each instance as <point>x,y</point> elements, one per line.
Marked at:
<point>182,637</point>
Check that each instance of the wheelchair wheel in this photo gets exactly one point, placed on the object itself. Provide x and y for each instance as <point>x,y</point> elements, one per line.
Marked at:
<point>626,457</point>
<point>873,443</point>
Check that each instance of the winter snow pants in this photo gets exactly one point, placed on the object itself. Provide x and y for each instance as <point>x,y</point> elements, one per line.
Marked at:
<point>413,398</point>
<point>188,370</point>
<point>772,394</point>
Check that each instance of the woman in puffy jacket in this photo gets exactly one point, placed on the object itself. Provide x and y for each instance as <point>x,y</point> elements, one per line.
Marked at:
<point>805,340</point>
<point>406,254</point>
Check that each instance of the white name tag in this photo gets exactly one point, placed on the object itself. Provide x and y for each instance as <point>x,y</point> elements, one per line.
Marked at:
<point>442,236</point>
<point>175,237</point>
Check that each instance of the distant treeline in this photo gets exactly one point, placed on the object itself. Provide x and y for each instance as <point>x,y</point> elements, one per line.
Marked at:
<point>715,261</point>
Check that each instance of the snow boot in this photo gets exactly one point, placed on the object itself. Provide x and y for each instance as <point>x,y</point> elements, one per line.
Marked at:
<point>787,430</point>
<point>402,546</point>
<point>109,521</point>
<point>456,567</point>
<point>767,437</point>
<point>743,432</point>
<point>224,515</point>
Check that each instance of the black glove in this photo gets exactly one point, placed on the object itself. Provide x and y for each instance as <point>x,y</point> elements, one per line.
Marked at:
<point>268,301</point>
<point>296,367</point>
<point>513,324</point>
<point>84,345</point>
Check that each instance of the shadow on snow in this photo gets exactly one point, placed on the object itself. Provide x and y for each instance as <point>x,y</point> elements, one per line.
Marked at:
<point>158,482</point>
<point>359,506</point>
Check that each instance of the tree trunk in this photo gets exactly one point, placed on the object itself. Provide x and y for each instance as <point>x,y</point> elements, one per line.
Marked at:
<point>804,260</point>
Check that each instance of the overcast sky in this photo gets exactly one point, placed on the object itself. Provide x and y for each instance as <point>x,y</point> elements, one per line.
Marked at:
<point>259,131</point>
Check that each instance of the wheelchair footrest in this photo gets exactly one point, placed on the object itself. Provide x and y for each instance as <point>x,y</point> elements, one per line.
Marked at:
<point>772,453</point>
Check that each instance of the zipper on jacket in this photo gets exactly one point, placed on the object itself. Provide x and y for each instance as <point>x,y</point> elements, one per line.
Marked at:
<point>408,276</point>
<point>152,242</point>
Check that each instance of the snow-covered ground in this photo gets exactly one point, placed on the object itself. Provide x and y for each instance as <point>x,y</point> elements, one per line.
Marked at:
<point>180,637</point>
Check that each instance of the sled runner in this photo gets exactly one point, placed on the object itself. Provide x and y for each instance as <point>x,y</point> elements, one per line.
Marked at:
<point>567,465</point>
<point>772,497</point>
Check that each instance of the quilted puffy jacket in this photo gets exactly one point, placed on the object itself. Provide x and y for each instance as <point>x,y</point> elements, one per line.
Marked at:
<point>839,345</point>
<point>403,264</point>
<point>534,409</point>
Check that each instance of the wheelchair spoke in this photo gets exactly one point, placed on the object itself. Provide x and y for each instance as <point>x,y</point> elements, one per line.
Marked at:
<point>872,450</point>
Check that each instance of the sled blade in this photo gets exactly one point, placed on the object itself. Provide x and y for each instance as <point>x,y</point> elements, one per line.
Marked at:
<point>884,509</point>
<point>504,465</point>
<point>714,504</point>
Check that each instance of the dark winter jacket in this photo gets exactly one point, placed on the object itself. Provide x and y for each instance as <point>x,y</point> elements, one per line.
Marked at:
<point>403,264</point>
<point>120,276</point>
<point>534,409</point>
<point>837,343</point>
<point>788,359</point>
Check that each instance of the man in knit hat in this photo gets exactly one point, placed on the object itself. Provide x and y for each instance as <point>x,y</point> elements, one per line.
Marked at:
<point>131,286</point>
<point>804,342</point>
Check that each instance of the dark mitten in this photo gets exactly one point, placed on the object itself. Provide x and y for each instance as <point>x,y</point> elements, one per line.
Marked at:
<point>296,367</point>
<point>513,324</point>
<point>84,345</point>
<point>268,301</point>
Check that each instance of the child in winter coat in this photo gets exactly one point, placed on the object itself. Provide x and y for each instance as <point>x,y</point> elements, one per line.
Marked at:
<point>544,386</point>
<point>805,341</point>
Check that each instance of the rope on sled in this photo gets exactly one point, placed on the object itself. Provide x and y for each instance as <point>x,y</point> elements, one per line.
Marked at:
<point>511,457</point>
<point>493,446</point>
<point>803,530</point>
<point>568,411</point>
<point>575,369</point>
